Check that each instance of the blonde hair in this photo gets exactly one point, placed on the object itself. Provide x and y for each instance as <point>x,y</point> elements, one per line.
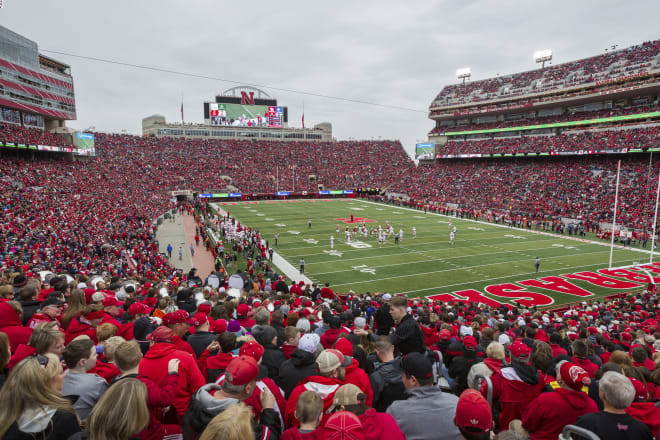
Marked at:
<point>309,407</point>
<point>110,346</point>
<point>127,355</point>
<point>234,423</point>
<point>105,331</point>
<point>44,335</point>
<point>121,412</point>
<point>495,350</point>
<point>29,386</point>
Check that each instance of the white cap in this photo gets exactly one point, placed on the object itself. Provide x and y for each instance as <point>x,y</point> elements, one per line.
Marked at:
<point>387,297</point>
<point>504,339</point>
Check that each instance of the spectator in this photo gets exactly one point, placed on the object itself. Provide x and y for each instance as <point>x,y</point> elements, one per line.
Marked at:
<point>214,366</point>
<point>5,356</point>
<point>154,366</point>
<point>376,425</point>
<point>80,357</point>
<point>273,357</point>
<point>179,322</point>
<point>45,338</point>
<point>234,423</point>
<point>291,339</point>
<point>332,371</point>
<point>128,356</point>
<point>329,337</point>
<point>644,410</point>
<point>617,393</point>
<point>473,416</point>
<point>238,384</point>
<point>37,409</point>
<point>492,364</point>
<point>407,337</point>
<point>309,410</point>
<point>546,416</point>
<point>428,411</point>
<point>461,365</point>
<point>386,379</point>
<point>202,337</point>
<point>580,356</point>
<point>343,425</point>
<point>354,374</point>
<point>11,325</point>
<point>120,414</point>
<point>301,365</point>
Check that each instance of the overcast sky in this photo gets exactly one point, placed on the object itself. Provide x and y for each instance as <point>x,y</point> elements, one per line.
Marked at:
<point>397,54</point>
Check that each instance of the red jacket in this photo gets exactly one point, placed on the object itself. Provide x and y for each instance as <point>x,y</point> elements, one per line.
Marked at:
<point>77,328</point>
<point>330,336</point>
<point>106,370</point>
<point>254,401</point>
<point>126,331</point>
<point>183,346</point>
<point>588,366</point>
<point>154,366</point>
<point>40,318</point>
<point>109,319</point>
<point>513,392</point>
<point>10,323</point>
<point>557,350</point>
<point>158,398</point>
<point>325,387</point>
<point>380,426</point>
<point>217,362</point>
<point>431,337</point>
<point>547,415</point>
<point>294,434</point>
<point>358,377</point>
<point>327,293</point>
<point>21,353</point>
<point>647,413</point>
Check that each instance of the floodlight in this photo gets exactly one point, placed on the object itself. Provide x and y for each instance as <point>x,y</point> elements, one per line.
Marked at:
<point>541,56</point>
<point>464,72</point>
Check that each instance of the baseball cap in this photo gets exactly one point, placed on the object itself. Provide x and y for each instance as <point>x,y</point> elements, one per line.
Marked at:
<point>220,326</point>
<point>180,316</point>
<point>112,301</point>
<point>331,359</point>
<point>138,308</point>
<point>387,297</point>
<point>418,365</point>
<point>641,392</point>
<point>574,376</point>
<point>52,301</point>
<point>242,310</point>
<point>473,413</point>
<point>252,349</point>
<point>161,334</point>
<point>343,425</point>
<point>200,319</point>
<point>520,350</point>
<point>347,394</point>
<point>204,308</point>
<point>470,342</point>
<point>345,346</point>
<point>445,334</point>
<point>242,370</point>
<point>308,342</point>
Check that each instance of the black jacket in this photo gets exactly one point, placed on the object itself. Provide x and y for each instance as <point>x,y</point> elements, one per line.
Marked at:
<point>301,365</point>
<point>460,367</point>
<point>272,358</point>
<point>62,425</point>
<point>387,384</point>
<point>200,340</point>
<point>29,309</point>
<point>383,320</point>
<point>279,328</point>
<point>408,337</point>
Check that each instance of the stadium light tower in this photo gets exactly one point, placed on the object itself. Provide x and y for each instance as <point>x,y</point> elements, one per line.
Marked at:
<point>541,56</point>
<point>463,73</point>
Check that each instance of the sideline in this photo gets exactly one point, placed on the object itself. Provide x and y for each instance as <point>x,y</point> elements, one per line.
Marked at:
<point>284,266</point>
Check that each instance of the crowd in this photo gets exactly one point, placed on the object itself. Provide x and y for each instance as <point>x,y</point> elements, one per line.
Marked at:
<point>582,188</point>
<point>605,67</point>
<point>29,136</point>
<point>121,357</point>
<point>573,116</point>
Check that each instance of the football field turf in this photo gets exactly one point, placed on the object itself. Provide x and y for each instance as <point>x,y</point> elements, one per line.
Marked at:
<point>486,260</point>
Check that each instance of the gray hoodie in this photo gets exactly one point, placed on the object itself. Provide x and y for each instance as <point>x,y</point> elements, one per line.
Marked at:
<point>427,414</point>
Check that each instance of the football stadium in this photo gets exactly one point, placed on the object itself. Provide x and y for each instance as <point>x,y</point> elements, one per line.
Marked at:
<point>239,274</point>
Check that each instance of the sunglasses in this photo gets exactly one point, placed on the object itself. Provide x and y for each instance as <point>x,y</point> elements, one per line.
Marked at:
<point>43,360</point>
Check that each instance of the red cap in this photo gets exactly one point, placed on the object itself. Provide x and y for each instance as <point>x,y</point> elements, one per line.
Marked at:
<point>344,346</point>
<point>200,319</point>
<point>641,392</point>
<point>177,317</point>
<point>592,330</point>
<point>137,308</point>
<point>574,376</point>
<point>470,342</point>
<point>112,301</point>
<point>473,413</point>
<point>241,370</point>
<point>625,336</point>
<point>445,334</point>
<point>252,349</point>
<point>161,334</point>
<point>519,349</point>
<point>343,425</point>
<point>220,326</point>
<point>242,310</point>
<point>204,308</point>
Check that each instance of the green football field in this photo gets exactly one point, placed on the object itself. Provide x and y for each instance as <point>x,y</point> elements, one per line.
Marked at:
<point>495,261</point>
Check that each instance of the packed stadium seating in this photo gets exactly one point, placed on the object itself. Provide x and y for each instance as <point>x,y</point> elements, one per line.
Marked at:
<point>31,136</point>
<point>574,116</point>
<point>606,67</point>
<point>565,142</point>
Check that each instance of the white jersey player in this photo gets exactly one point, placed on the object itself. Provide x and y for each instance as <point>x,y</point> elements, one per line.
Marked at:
<point>337,229</point>
<point>401,234</point>
<point>332,242</point>
<point>454,230</point>
<point>414,232</point>
<point>348,237</point>
<point>451,237</point>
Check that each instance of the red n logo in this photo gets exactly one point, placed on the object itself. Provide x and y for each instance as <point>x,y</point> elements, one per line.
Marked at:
<point>247,99</point>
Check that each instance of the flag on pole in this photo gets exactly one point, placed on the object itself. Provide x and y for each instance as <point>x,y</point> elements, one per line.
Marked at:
<point>181,110</point>
<point>303,119</point>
